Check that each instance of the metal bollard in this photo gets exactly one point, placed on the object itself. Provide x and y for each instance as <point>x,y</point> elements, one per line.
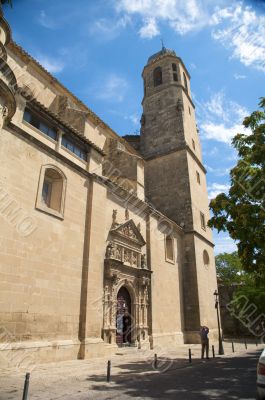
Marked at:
<point>26,386</point>
<point>190,355</point>
<point>155,361</point>
<point>246,346</point>
<point>108,371</point>
<point>213,351</point>
<point>233,348</point>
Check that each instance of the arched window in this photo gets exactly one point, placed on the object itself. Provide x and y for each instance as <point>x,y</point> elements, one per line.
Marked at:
<point>51,192</point>
<point>169,245</point>
<point>185,81</point>
<point>157,76</point>
<point>206,258</point>
<point>175,74</point>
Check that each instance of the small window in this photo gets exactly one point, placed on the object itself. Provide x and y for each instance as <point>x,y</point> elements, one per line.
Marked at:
<point>175,74</point>
<point>198,177</point>
<point>203,224</point>
<point>40,124</point>
<point>189,110</point>
<point>51,192</point>
<point>185,81</point>
<point>169,248</point>
<point>75,148</point>
<point>193,144</point>
<point>157,74</point>
<point>206,258</point>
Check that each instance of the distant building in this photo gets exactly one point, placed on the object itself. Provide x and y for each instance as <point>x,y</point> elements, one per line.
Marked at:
<point>103,240</point>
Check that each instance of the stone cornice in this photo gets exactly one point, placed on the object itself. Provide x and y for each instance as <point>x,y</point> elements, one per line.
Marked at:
<point>198,234</point>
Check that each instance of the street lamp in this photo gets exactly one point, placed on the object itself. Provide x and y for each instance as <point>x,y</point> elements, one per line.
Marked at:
<point>221,349</point>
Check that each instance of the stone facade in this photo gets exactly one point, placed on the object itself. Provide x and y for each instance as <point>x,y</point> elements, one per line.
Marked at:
<point>94,226</point>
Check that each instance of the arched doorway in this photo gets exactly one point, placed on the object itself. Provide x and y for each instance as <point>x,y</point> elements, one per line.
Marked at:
<point>124,318</point>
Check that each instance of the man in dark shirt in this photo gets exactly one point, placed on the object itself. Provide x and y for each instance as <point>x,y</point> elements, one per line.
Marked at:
<point>204,341</point>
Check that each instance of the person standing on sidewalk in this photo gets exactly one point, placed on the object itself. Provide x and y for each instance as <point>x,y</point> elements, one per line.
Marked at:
<point>204,341</point>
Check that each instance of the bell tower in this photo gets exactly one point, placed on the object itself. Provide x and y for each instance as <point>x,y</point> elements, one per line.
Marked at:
<point>175,179</point>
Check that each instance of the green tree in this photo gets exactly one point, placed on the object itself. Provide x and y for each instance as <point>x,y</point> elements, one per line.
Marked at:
<point>230,272</point>
<point>242,211</point>
<point>229,268</point>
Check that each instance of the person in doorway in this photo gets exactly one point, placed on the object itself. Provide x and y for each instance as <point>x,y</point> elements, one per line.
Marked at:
<point>204,341</point>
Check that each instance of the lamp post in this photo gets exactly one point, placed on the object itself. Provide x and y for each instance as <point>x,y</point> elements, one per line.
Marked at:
<point>221,349</point>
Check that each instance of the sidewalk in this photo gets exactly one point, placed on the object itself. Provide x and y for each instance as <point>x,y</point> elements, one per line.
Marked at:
<point>57,380</point>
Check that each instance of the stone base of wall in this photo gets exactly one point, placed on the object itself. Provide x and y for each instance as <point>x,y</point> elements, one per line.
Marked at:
<point>96,347</point>
<point>193,337</point>
<point>27,354</point>
<point>167,340</point>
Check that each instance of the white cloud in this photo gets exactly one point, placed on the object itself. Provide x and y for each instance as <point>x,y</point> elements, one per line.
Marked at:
<point>149,29</point>
<point>134,118</point>
<point>216,188</point>
<point>51,64</point>
<point>182,16</point>
<point>46,21</point>
<point>220,132</point>
<point>242,30</point>
<point>221,118</point>
<point>113,89</point>
<point>238,76</point>
<point>109,29</point>
<point>218,171</point>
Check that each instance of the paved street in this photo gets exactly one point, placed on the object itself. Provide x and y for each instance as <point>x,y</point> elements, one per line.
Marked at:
<point>133,377</point>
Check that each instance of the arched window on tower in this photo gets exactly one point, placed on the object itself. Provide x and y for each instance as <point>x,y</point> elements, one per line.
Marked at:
<point>169,245</point>
<point>185,81</point>
<point>175,73</point>
<point>157,76</point>
<point>206,258</point>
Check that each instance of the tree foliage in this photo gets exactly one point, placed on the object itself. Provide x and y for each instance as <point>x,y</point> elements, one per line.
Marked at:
<point>242,211</point>
<point>230,273</point>
<point>229,268</point>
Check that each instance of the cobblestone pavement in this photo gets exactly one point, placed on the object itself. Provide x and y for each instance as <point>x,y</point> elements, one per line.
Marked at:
<point>133,377</point>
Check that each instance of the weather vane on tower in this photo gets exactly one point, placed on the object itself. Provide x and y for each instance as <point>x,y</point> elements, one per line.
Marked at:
<point>162,43</point>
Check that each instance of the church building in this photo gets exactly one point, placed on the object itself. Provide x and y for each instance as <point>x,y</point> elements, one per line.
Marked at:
<point>104,240</point>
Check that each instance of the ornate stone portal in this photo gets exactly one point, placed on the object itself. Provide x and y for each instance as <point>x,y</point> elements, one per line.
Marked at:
<point>125,266</point>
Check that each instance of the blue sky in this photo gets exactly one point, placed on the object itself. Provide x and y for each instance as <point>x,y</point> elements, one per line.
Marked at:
<point>99,48</point>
